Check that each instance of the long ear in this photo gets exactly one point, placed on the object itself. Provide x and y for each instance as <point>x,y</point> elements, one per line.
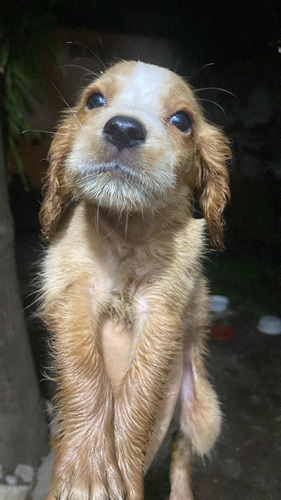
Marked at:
<point>55,196</point>
<point>213,181</point>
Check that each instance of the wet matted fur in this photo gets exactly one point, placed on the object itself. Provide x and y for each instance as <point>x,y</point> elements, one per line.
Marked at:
<point>123,292</point>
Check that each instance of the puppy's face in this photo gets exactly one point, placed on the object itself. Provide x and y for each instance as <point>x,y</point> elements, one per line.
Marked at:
<point>135,141</point>
<point>135,138</point>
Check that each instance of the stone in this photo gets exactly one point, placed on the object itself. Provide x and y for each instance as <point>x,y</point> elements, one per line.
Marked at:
<point>25,472</point>
<point>43,477</point>
<point>19,492</point>
<point>11,480</point>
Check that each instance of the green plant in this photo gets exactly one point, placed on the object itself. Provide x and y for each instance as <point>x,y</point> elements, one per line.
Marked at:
<point>25,43</point>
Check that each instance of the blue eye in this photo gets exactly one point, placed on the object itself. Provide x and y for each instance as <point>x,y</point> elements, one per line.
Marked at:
<point>96,101</point>
<point>182,121</point>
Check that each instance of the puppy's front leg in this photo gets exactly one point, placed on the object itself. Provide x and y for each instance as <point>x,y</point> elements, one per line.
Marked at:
<point>157,334</point>
<point>85,465</point>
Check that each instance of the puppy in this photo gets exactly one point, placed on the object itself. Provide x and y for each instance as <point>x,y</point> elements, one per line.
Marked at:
<point>123,292</point>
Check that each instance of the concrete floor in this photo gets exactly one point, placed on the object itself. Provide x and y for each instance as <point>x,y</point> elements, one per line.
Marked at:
<point>246,373</point>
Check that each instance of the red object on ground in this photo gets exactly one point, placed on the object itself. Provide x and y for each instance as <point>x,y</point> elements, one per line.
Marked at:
<point>222,333</point>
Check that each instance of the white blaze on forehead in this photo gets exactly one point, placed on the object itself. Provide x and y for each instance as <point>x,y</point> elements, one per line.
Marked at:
<point>143,87</point>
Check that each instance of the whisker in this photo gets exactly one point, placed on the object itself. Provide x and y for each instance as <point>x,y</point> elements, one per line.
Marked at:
<point>199,70</point>
<point>215,88</point>
<point>41,131</point>
<point>177,63</point>
<point>89,71</point>
<point>69,203</point>
<point>89,50</point>
<point>102,46</point>
<point>157,211</point>
<point>85,79</point>
<point>98,217</point>
<point>126,225</point>
<point>214,102</point>
<point>113,230</point>
<point>66,103</point>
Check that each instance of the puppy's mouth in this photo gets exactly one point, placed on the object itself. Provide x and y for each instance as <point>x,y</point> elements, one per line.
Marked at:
<point>119,185</point>
<point>112,170</point>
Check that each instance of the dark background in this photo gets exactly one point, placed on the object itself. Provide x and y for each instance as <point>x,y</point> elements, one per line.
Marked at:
<point>207,31</point>
<point>234,46</point>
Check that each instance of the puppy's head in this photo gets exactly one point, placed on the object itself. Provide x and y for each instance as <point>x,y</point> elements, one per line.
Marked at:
<point>134,141</point>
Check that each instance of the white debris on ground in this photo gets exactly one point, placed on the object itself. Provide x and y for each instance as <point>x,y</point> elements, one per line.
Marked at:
<point>43,476</point>
<point>20,484</point>
<point>218,303</point>
<point>25,473</point>
<point>17,486</point>
<point>17,492</point>
<point>270,325</point>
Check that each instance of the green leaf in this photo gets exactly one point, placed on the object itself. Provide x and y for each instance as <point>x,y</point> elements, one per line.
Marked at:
<point>4,54</point>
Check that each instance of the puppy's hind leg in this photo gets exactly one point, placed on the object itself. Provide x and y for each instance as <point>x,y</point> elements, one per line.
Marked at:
<point>199,428</point>
<point>180,467</point>
<point>200,419</point>
<point>200,415</point>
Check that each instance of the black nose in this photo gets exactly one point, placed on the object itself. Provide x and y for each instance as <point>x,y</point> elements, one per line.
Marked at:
<point>124,132</point>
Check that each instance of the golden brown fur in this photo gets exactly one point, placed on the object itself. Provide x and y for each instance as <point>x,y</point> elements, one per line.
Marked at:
<point>123,292</point>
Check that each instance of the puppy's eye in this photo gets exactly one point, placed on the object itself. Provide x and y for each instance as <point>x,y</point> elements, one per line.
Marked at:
<point>96,101</point>
<point>182,121</point>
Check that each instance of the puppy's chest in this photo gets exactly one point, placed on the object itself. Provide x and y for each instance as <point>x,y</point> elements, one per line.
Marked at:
<point>132,271</point>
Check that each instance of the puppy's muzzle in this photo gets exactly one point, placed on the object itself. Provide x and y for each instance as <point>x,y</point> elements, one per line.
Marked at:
<point>124,132</point>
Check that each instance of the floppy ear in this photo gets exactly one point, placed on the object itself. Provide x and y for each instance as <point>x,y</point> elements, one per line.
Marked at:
<point>213,181</point>
<point>54,194</point>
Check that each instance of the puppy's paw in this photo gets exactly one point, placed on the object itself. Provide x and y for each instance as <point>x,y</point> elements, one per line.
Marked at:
<point>180,489</point>
<point>181,495</point>
<point>95,491</point>
<point>134,486</point>
<point>91,475</point>
<point>81,492</point>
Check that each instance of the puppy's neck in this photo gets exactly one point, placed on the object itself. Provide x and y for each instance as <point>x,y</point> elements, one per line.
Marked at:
<point>138,228</point>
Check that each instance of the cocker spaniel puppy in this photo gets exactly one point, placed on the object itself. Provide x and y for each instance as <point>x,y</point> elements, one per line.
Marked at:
<point>123,292</point>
